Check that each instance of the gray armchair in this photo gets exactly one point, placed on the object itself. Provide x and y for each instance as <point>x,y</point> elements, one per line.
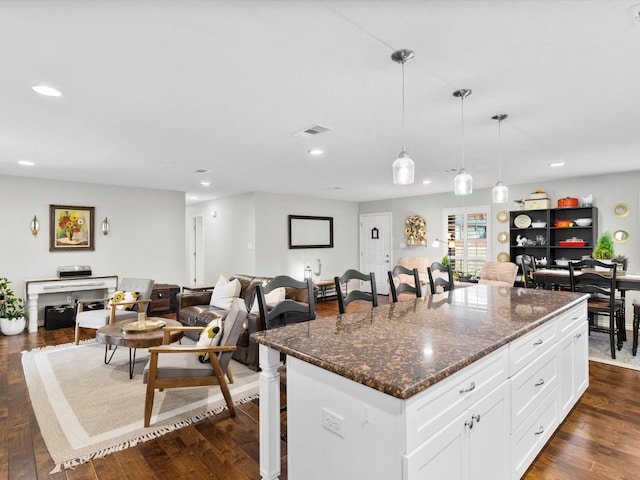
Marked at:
<point>98,318</point>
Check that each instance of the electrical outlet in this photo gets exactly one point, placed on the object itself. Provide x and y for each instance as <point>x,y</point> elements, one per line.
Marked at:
<point>333,422</point>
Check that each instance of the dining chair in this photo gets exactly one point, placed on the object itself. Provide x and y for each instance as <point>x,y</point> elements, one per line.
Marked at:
<point>404,283</point>
<point>440,281</point>
<point>135,297</point>
<point>345,298</point>
<point>176,366</point>
<point>277,310</point>
<point>601,287</point>
<point>528,266</point>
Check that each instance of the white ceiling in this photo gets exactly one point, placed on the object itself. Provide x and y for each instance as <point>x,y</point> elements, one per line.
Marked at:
<point>153,90</point>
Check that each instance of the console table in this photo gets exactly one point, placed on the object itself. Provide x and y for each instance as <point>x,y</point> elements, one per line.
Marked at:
<point>35,288</point>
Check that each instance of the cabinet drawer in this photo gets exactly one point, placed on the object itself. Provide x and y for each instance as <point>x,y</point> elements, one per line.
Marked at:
<point>529,439</point>
<point>568,320</point>
<point>427,414</point>
<point>527,348</point>
<point>531,384</point>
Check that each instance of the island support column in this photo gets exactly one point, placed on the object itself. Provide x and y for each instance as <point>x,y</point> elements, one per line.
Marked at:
<point>269,413</point>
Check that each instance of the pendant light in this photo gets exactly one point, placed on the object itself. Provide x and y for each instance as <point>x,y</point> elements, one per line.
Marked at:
<point>500,192</point>
<point>403,166</point>
<point>463,183</point>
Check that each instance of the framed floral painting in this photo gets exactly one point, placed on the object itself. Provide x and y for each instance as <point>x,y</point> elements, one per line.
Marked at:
<point>71,228</point>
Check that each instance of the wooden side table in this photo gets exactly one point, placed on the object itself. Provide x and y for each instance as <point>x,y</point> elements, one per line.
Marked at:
<point>114,335</point>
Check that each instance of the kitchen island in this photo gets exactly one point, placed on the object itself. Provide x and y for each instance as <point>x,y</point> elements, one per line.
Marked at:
<point>466,384</point>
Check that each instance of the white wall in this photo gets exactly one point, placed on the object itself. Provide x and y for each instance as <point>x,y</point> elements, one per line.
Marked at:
<point>607,191</point>
<point>146,239</point>
<point>260,219</point>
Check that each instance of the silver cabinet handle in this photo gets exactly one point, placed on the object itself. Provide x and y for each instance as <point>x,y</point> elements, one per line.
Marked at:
<point>539,342</point>
<point>540,382</point>
<point>471,387</point>
<point>469,423</point>
<point>476,417</point>
<point>540,430</point>
<point>578,335</point>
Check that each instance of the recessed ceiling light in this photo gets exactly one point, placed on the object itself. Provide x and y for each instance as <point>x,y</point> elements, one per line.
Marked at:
<point>205,183</point>
<point>27,163</point>
<point>315,151</point>
<point>426,182</point>
<point>46,91</point>
<point>193,197</point>
<point>556,164</point>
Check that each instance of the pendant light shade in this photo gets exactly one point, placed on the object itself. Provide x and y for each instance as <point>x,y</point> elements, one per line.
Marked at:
<point>463,183</point>
<point>403,166</point>
<point>500,193</point>
<point>403,169</point>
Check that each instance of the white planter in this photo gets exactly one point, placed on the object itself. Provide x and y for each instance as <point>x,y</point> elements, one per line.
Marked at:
<point>12,327</point>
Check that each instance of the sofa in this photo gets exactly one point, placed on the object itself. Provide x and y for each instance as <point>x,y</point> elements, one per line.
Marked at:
<point>498,273</point>
<point>194,309</point>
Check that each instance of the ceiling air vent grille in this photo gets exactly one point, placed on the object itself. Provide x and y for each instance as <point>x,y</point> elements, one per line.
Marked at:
<point>312,131</point>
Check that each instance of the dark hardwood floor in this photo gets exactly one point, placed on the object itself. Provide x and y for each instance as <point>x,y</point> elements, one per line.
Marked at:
<point>598,440</point>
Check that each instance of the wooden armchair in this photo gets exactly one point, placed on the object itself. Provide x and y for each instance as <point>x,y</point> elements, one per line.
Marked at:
<point>174,366</point>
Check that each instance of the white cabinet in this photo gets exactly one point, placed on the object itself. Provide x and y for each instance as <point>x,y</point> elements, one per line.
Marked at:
<point>471,446</point>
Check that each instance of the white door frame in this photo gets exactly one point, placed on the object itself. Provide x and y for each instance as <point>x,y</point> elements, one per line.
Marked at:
<point>195,249</point>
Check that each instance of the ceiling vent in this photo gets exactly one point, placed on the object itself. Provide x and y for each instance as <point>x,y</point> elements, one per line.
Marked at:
<point>312,131</point>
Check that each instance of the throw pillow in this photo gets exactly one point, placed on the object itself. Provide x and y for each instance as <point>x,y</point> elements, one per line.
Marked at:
<point>224,293</point>
<point>122,297</point>
<point>210,337</point>
<point>272,298</point>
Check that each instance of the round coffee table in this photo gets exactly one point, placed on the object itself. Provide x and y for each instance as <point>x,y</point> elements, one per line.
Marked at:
<point>114,335</point>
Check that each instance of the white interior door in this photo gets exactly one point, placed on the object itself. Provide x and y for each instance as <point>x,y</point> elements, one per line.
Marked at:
<point>375,247</point>
<point>196,250</point>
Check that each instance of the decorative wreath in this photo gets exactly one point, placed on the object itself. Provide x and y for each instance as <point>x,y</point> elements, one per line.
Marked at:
<point>416,229</point>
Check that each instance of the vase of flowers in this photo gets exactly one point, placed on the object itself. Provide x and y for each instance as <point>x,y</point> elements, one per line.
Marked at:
<point>12,319</point>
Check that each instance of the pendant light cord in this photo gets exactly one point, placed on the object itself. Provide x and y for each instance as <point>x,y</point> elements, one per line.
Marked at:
<point>462,126</point>
<point>403,134</point>
<point>500,149</point>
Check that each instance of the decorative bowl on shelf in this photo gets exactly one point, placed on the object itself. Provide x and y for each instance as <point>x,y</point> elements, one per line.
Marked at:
<point>538,224</point>
<point>584,222</point>
<point>562,262</point>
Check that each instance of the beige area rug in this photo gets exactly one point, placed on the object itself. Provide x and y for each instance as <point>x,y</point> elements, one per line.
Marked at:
<point>86,409</point>
<point>600,351</point>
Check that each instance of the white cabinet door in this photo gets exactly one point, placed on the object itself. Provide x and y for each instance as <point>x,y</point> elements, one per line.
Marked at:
<point>489,436</point>
<point>574,366</point>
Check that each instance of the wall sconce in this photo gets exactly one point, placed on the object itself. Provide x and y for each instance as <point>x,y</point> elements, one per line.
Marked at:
<point>105,226</point>
<point>35,226</point>
<point>307,272</point>
<point>449,243</point>
<point>319,272</point>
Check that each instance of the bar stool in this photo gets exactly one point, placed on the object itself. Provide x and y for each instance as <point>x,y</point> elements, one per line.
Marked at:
<point>636,325</point>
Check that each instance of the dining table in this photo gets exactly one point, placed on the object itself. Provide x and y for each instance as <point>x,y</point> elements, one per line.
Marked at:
<point>556,278</point>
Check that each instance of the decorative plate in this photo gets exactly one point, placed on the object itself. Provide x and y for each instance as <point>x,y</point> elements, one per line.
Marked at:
<point>522,221</point>
<point>621,235</point>
<point>503,257</point>
<point>502,216</point>
<point>503,237</point>
<point>621,210</point>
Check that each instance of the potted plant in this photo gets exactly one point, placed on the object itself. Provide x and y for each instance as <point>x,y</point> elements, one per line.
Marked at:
<point>12,319</point>
<point>604,247</point>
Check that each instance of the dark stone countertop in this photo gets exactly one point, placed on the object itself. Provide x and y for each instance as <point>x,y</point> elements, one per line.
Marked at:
<point>403,348</point>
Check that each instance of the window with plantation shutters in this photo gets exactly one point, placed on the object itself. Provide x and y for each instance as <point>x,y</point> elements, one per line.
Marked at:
<point>467,234</point>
